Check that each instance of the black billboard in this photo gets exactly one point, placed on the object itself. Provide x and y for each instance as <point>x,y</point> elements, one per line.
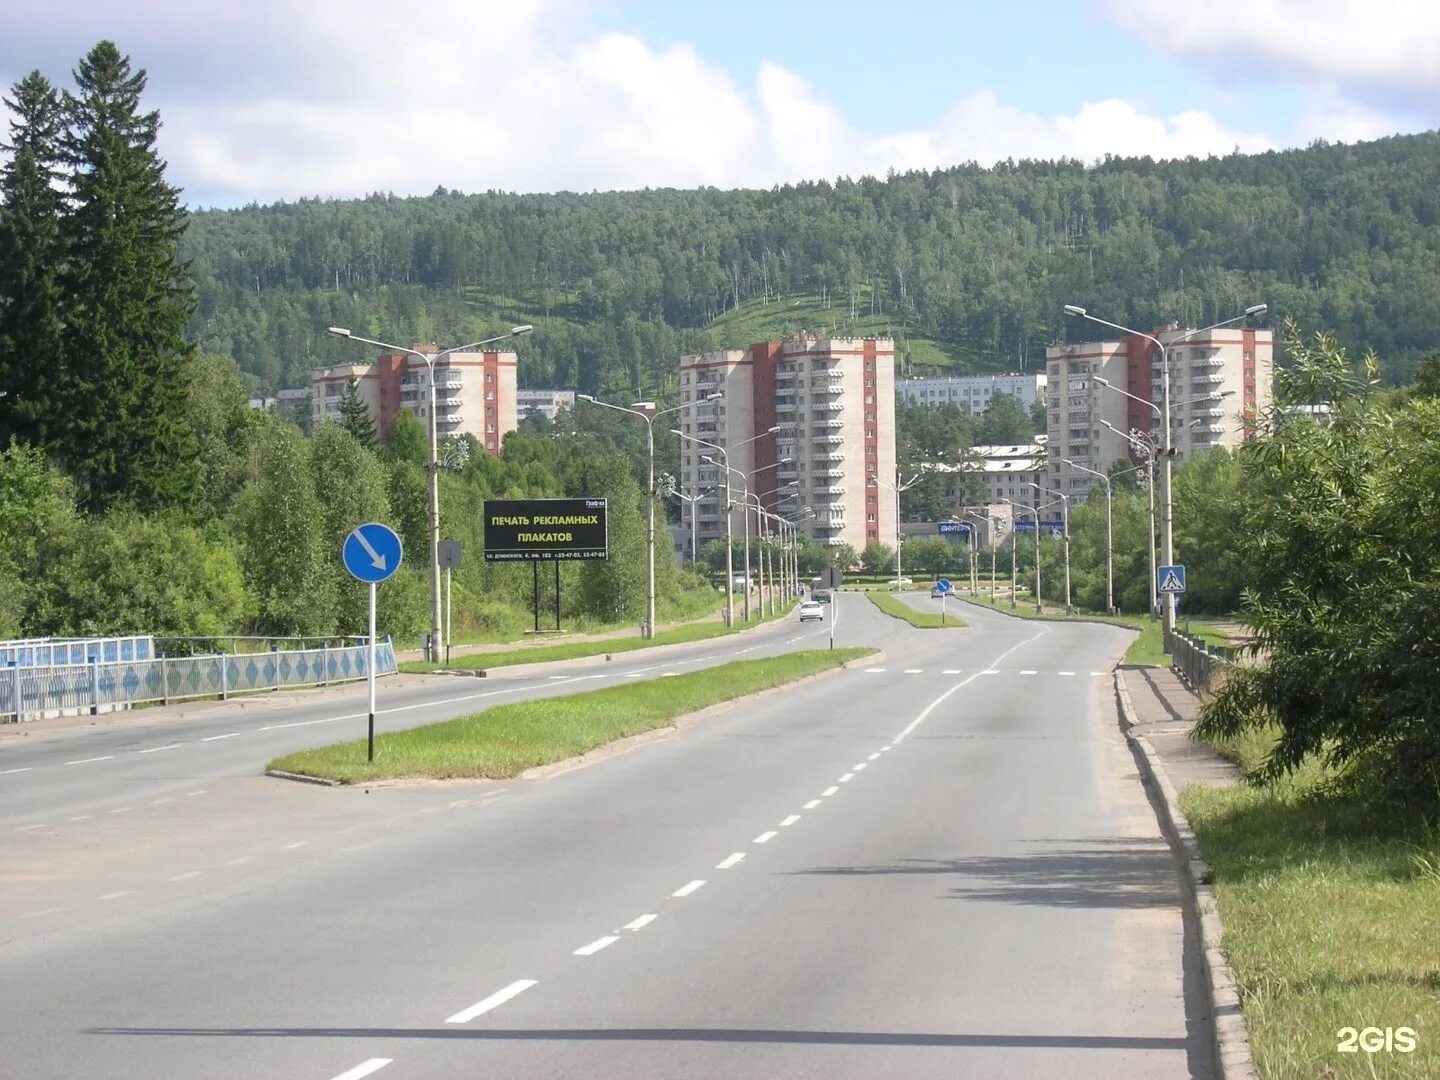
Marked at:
<point>532,530</point>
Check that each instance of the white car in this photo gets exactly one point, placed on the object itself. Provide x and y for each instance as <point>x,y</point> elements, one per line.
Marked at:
<point>811,610</point>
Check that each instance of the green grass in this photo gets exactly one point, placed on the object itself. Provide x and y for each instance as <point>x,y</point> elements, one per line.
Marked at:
<point>1331,909</point>
<point>1147,650</point>
<point>925,620</point>
<point>574,650</point>
<point>508,739</point>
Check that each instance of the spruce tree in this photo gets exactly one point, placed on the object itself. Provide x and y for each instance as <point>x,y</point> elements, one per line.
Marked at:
<point>355,415</point>
<point>30,297</point>
<point>128,298</point>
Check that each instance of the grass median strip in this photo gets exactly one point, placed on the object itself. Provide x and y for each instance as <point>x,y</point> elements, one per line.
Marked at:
<point>1331,910</point>
<point>925,620</point>
<point>575,650</point>
<point>506,740</point>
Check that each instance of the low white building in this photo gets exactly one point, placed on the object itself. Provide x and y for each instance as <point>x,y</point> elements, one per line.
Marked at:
<point>973,392</point>
<point>545,402</point>
<point>1002,471</point>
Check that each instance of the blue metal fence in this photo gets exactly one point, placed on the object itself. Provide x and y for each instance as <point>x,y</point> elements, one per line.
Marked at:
<point>95,686</point>
<point>55,652</point>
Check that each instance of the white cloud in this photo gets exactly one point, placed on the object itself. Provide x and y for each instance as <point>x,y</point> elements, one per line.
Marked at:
<point>279,101</point>
<point>1381,46</point>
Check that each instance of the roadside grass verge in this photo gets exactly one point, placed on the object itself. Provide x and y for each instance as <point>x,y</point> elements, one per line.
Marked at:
<point>925,620</point>
<point>574,650</point>
<point>1331,909</point>
<point>506,740</point>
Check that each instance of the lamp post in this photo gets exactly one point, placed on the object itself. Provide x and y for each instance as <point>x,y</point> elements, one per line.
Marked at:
<point>745,511</point>
<point>975,554</point>
<point>1014,573</point>
<point>1035,510</point>
<point>430,359</point>
<point>693,500</point>
<point>897,488</point>
<point>1065,529</point>
<point>1168,448</point>
<point>1109,534</point>
<point>646,411</point>
<point>767,556</point>
<point>729,540</point>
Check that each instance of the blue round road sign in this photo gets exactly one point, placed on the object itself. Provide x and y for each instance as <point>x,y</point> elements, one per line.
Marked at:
<point>371,552</point>
<point>943,584</point>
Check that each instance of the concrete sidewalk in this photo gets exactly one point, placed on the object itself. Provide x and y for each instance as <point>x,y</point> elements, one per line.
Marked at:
<point>1165,711</point>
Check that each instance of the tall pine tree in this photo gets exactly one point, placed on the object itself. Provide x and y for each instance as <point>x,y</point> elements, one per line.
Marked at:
<point>128,298</point>
<point>30,258</point>
<point>355,415</point>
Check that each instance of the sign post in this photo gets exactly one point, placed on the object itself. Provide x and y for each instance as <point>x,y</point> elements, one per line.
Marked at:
<point>944,586</point>
<point>371,553</point>
<point>448,552</point>
<point>545,530</point>
<point>833,578</point>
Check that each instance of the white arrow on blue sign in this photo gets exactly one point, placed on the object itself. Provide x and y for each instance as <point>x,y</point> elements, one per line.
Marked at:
<point>943,585</point>
<point>1170,579</point>
<point>371,552</point>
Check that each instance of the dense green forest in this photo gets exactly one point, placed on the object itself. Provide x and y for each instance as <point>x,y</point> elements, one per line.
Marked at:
<point>967,267</point>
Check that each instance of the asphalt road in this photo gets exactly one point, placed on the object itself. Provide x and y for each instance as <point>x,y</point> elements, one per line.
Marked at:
<point>940,865</point>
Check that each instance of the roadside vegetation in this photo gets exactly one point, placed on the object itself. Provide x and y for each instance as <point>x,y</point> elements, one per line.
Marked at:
<point>1331,906</point>
<point>925,620</point>
<point>506,740</point>
<point>573,650</point>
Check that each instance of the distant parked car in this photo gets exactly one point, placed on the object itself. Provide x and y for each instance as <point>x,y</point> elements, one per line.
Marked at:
<point>811,610</point>
<point>937,592</point>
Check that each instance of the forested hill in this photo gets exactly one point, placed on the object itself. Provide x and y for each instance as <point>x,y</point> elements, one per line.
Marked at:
<point>966,266</point>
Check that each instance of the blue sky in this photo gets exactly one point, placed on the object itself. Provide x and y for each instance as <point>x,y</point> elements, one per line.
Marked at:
<point>273,100</point>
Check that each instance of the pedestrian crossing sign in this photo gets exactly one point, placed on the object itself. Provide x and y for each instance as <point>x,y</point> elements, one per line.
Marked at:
<point>1170,579</point>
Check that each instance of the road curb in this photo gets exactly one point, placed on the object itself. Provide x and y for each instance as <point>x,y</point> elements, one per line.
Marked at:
<point>301,778</point>
<point>1229,1033</point>
<point>599,657</point>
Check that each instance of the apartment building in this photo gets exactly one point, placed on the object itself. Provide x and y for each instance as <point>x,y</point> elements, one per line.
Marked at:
<point>545,402</point>
<point>1001,472</point>
<point>833,401</point>
<point>474,392</point>
<point>1235,364</point>
<point>973,392</point>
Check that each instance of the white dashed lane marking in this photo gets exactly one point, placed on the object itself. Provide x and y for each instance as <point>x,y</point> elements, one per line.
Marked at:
<point>729,861</point>
<point>519,986</point>
<point>596,945</point>
<point>640,923</point>
<point>765,837</point>
<point>686,890</point>
<point>364,1069</point>
<point>789,821</point>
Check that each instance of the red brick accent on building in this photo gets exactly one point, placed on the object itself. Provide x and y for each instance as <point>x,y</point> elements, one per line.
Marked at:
<point>389,370</point>
<point>762,359</point>
<point>1138,381</point>
<point>872,443</point>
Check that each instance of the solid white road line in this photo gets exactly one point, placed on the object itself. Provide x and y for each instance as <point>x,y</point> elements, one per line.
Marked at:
<point>519,986</point>
<point>642,921</point>
<point>729,861</point>
<point>365,1068</point>
<point>765,837</point>
<point>302,723</point>
<point>789,821</point>
<point>962,683</point>
<point>88,760</point>
<point>217,738</point>
<point>686,890</point>
<point>7,772</point>
<point>831,790</point>
<point>811,804</point>
<point>596,945</point>
<point>157,749</point>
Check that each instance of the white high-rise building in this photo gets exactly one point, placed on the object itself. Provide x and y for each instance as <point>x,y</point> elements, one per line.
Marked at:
<point>834,402</point>
<point>973,392</point>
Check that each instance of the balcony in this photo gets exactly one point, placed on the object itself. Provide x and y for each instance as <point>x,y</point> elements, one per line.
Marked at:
<point>785,407</point>
<point>831,473</point>
<point>829,455</point>
<point>828,423</point>
<point>828,440</point>
<point>1214,379</point>
<point>830,492</point>
<point>829,386</point>
<point>830,406</point>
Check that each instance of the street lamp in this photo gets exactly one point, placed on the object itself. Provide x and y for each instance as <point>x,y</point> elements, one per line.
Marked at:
<point>729,540</point>
<point>1036,511</point>
<point>1065,528</point>
<point>646,411</point>
<point>745,511</point>
<point>897,487</point>
<point>1168,449</point>
<point>1109,534</point>
<point>763,518</point>
<point>436,637</point>
<point>1144,443</point>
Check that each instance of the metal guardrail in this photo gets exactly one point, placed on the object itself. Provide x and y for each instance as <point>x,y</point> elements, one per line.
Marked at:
<point>60,651</point>
<point>1197,663</point>
<point>53,689</point>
